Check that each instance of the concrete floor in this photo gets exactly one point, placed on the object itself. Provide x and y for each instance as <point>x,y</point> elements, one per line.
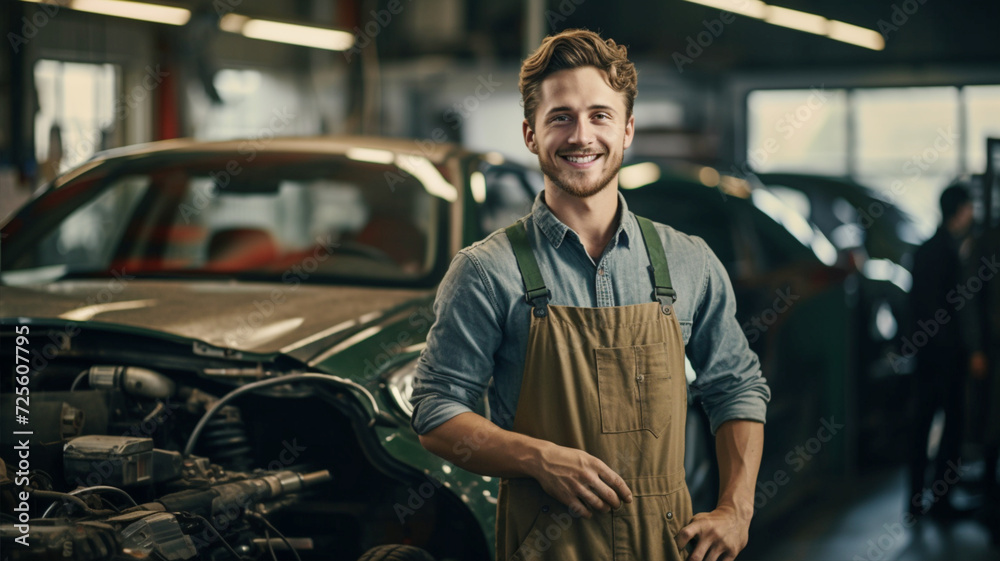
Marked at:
<point>867,524</point>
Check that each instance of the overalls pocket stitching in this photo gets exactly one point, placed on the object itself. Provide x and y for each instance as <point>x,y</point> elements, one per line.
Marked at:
<point>531,529</point>
<point>632,393</point>
<point>627,525</point>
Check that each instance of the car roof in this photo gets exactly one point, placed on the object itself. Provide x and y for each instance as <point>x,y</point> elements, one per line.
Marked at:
<point>826,184</point>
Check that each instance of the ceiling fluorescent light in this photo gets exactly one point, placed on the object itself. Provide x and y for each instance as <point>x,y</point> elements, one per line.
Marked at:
<point>794,19</point>
<point>133,10</point>
<point>800,21</point>
<point>855,35</point>
<point>306,36</point>
<point>750,8</point>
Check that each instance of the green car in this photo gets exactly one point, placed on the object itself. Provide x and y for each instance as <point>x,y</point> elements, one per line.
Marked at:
<point>210,349</point>
<point>211,346</point>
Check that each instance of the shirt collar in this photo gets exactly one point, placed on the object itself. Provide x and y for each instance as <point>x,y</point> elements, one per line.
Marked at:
<point>555,230</point>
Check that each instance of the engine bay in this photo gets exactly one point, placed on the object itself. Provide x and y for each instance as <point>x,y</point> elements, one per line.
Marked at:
<point>142,448</point>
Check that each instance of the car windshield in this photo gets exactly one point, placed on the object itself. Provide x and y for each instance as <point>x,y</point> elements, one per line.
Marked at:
<point>313,217</point>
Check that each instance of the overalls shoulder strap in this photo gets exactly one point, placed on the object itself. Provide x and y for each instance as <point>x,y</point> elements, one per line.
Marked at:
<point>535,292</point>
<point>658,269</point>
<point>534,286</point>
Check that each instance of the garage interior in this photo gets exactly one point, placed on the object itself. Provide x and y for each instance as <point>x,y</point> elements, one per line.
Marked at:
<point>787,108</point>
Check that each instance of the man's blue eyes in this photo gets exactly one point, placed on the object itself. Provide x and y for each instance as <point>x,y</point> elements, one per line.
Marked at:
<point>562,118</point>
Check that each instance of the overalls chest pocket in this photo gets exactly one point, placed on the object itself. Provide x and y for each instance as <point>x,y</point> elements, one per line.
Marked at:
<point>634,388</point>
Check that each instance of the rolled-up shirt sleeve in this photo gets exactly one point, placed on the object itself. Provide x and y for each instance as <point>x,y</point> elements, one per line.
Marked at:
<point>455,368</point>
<point>728,375</point>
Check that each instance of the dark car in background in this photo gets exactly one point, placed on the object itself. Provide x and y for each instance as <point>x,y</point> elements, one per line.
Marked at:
<point>876,238</point>
<point>798,309</point>
<point>225,334</point>
<point>851,215</point>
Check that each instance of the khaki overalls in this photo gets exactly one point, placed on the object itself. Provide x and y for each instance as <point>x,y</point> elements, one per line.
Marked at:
<point>609,381</point>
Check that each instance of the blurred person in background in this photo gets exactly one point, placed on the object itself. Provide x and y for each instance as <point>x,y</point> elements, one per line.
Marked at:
<point>49,169</point>
<point>16,190</point>
<point>942,352</point>
<point>984,365</point>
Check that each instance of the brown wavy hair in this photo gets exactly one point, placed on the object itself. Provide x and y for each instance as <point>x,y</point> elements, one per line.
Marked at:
<point>574,48</point>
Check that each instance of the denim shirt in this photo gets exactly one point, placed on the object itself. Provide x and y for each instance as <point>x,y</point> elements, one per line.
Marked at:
<point>482,319</point>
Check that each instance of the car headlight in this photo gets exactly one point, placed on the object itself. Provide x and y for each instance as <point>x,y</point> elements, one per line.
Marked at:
<point>400,385</point>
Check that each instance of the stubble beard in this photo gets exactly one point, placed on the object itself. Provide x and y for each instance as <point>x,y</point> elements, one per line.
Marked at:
<point>578,188</point>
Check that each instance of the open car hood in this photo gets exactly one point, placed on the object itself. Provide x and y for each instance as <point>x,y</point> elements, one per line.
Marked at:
<point>247,316</point>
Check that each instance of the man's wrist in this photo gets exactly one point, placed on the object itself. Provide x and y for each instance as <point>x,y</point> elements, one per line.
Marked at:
<point>741,508</point>
<point>533,453</point>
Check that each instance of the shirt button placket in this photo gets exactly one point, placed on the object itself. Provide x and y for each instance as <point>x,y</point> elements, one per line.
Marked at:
<point>603,287</point>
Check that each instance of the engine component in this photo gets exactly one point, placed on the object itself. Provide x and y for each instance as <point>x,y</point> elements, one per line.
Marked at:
<point>71,420</point>
<point>280,380</point>
<point>140,382</point>
<point>197,467</point>
<point>225,440</point>
<point>158,532</point>
<point>396,552</point>
<point>56,539</point>
<point>62,415</point>
<point>119,460</point>
<point>238,495</point>
<point>58,420</point>
<point>278,544</point>
<point>167,465</point>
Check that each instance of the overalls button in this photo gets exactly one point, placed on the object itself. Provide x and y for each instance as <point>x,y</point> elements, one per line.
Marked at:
<point>540,312</point>
<point>666,310</point>
<point>670,515</point>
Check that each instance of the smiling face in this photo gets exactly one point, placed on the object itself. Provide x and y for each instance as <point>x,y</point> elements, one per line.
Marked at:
<point>581,131</point>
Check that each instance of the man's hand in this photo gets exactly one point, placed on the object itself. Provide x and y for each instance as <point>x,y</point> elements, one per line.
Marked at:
<point>580,481</point>
<point>574,477</point>
<point>720,535</point>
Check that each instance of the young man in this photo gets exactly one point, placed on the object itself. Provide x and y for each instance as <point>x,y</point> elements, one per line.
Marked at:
<point>573,313</point>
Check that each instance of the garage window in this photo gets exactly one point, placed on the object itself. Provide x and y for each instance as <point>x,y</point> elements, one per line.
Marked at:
<point>982,121</point>
<point>798,130</point>
<point>907,143</point>
<point>76,110</point>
